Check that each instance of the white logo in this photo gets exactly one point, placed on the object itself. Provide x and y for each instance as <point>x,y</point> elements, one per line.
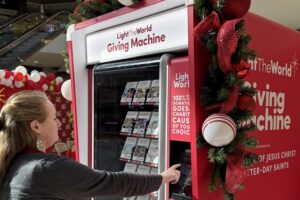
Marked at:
<point>287,69</point>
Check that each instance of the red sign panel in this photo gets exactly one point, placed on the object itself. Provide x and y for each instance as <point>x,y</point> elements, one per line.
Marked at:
<point>179,100</point>
<point>275,75</point>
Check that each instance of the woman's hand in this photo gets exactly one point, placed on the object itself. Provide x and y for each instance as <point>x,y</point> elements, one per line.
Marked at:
<point>171,175</point>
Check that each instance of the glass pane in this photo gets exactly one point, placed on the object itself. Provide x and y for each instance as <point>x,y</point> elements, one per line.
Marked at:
<point>109,114</point>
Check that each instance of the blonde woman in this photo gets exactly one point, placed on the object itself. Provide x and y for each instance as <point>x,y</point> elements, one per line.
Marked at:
<point>26,173</point>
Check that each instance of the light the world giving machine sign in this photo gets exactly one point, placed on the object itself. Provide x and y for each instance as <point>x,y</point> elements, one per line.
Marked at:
<point>275,75</point>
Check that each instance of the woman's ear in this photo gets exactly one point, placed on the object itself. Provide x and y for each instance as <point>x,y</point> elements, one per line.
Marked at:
<point>35,127</point>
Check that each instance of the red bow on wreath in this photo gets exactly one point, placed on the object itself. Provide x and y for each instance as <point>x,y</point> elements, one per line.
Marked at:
<point>235,172</point>
<point>227,40</point>
<point>210,22</point>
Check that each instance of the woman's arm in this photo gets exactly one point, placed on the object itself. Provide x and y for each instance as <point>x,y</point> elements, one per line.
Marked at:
<point>68,179</point>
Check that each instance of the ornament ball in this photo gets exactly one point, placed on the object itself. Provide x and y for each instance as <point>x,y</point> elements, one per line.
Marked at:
<point>219,130</point>
<point>246,102</point>
<point>234,9</point>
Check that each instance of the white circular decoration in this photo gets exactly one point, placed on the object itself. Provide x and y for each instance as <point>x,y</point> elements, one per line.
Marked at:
<point>8,82</point>
<point>19,84</point>
<point>45,87</point>
<point>2,73</point>
<point>21,69</point>
<point>43,74</point>
<point>126,2</point>
<point>66,90</point>
<point>2,81</point>
<point>59,80</point>
<point>35,76</point>
<point>219,130</point>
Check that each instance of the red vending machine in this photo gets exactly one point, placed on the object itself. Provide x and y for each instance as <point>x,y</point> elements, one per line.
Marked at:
<point>131,81</point>
<point>136,78</point>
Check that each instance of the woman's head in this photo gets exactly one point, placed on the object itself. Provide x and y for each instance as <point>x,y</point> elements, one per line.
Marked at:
<point>26,117</point>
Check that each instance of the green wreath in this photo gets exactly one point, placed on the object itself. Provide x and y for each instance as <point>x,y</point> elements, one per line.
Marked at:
<point>228,101</point>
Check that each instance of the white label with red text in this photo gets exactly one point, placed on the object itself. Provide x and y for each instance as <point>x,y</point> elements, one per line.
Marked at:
<point>161,33</point>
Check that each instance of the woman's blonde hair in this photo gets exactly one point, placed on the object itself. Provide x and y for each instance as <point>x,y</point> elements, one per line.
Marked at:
<point>15,118</point>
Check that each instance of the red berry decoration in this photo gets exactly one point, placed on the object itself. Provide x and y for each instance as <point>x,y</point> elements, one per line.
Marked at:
<point>43,80</point>
<point>18,76</point>
<point>51,76</point>
<point>246,102</point>
<point>29,85</point>
<point>241,69</point>
<point>8,73</point>
<point>58,87</point>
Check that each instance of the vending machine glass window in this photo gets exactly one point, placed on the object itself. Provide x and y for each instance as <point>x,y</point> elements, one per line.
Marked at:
<point>126,99</point>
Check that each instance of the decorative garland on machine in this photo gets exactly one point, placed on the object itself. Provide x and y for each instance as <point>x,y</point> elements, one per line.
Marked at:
<point>89,9</point>
<point>225,96</point>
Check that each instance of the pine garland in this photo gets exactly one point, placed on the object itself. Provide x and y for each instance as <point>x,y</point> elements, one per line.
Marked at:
<point>215,92</point>
<point>88,10</point>
<point>65,56</point>
<point>91,9</point>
